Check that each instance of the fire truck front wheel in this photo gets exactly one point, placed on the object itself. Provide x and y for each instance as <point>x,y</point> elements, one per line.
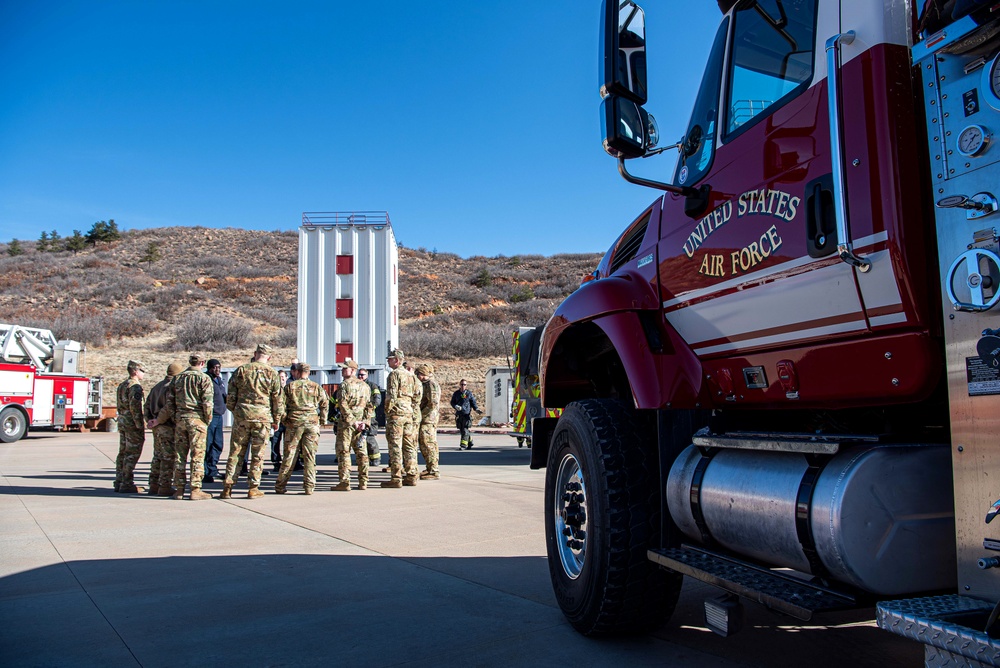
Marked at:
<point>602,512</point>
<point>13,424</point>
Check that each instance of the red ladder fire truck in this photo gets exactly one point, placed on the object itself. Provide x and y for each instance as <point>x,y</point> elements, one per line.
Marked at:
<point>784,377</point>
<point>39,383</point>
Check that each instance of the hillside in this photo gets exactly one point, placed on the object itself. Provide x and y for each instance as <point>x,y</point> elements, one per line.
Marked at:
<point>220,291</point>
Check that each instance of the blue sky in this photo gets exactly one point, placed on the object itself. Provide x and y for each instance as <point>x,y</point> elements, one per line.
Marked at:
<point>475,125</point>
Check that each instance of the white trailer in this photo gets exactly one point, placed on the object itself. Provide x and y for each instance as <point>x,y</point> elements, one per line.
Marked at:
<point>348,292</point>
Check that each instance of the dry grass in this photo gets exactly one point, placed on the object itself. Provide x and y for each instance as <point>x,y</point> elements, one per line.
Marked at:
<point>219,291</point>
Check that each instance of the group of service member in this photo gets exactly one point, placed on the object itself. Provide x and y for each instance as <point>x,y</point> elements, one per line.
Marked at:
<point>179,411</point>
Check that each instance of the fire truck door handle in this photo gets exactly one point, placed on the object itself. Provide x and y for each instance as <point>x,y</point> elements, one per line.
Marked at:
<point>844,247</point>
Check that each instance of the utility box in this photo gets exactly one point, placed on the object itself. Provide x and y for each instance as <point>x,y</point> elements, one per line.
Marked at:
<point>348,292</point>
<point>499,392</point>
<point>66,356</point>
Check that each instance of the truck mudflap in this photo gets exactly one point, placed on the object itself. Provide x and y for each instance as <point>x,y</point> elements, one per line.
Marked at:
<point>783,593</point>
<point>948,626</point>
<point>541,429</point>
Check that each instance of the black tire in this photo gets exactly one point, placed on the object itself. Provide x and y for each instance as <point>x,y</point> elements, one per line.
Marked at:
<point>13,424</point>
<point>609,586</point>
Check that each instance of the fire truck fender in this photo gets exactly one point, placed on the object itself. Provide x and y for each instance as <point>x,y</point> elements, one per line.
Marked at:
<point>610,339</point>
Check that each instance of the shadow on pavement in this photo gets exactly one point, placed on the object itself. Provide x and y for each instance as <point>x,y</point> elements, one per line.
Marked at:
<point>370,610</point>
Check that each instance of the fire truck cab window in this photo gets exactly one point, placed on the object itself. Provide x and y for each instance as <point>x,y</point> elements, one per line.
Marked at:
<point>772,57</point>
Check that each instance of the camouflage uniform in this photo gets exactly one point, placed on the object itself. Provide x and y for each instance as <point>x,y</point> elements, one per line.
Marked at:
<point>131,431</point>
<point>354,401</point>
<point>303,398</point>
<point>189,405</point>
<point>402,404</point>
<point>256,402</point>
<point>161,469</point>
<point>429,421</point>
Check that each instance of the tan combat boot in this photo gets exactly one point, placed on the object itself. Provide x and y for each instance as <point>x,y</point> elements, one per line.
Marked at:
<point>198,495</point>
<point>279,490</point>
<point>343,486</point>
<point>410,481</point>
<point>430,475</point>
<point>395,483</point>
<point>308,491</point>
<point>178,494</point>
<point>254,493</point>
<point>227,491</point>
<point>363,485</point>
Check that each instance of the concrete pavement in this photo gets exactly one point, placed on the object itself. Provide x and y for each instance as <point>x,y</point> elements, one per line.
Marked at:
<point>450,572</point>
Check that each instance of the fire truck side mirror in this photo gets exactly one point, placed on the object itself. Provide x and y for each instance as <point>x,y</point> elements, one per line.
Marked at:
<point>628,130</point>
<point>623,68</point>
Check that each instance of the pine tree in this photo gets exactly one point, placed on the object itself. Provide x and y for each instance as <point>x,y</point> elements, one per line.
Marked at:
<point>14,248</point>
<point>55,242</point>
<point>103,231</point>
<point>76,243</point>
<point>43,243</point>
<point>152,254</point>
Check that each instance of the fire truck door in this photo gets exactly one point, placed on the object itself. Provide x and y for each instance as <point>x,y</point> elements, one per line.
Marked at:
<point>876,163</point>
<point>42,414</point>
<point>760,268</point>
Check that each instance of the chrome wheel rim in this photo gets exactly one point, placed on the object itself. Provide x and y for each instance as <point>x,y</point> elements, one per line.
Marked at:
<point>10,425</point>
<point>571,516</point>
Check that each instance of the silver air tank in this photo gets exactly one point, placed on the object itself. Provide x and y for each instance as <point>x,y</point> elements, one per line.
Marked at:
<point>877,518</point>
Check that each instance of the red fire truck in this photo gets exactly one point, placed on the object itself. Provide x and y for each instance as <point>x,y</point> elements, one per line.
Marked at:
<point>39,383</point>
<point>784,379</point>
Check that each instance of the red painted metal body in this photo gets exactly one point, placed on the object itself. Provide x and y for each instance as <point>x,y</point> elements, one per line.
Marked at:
<point>37,395</point>
<point>734,291</point>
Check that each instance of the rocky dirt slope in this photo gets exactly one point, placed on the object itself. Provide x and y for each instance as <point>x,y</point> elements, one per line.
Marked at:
<point>219,291</point>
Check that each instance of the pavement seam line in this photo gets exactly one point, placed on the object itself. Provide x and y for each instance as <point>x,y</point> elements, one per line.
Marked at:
<point>73,573</point>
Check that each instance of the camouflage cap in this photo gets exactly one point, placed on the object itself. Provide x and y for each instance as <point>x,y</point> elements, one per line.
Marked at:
<point>397,353</point>
<point>263,349</point>
<point>425,369</point>
<point>303,369</point>
<point>135,366</point>
<point>196,359</point>
<point>348,364</point>
<point>174,368</point>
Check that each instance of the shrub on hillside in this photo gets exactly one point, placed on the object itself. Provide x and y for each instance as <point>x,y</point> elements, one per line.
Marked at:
<point>476,340</point>
<point>286,338</point>
<point>213,331</point>
<point>468,295</point>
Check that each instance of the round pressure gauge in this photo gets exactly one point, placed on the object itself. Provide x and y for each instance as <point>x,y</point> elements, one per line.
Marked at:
<point>990,83</point>
<point>973,141</point>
